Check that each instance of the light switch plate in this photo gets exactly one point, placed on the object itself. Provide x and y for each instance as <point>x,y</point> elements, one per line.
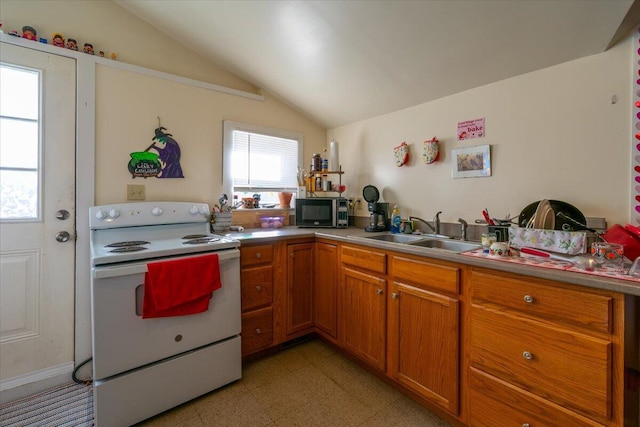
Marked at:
<point>135,192</point>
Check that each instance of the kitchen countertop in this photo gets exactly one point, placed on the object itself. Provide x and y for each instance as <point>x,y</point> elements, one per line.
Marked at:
<point>359,236</point>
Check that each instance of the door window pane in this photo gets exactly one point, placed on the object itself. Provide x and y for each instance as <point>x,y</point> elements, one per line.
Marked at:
<point>19,194</point>
<point>19,143</point>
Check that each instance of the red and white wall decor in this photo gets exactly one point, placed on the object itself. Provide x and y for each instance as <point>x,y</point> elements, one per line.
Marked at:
<point>635,149</point>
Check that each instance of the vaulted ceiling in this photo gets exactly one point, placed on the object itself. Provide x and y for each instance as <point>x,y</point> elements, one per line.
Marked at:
<point>345,61</point>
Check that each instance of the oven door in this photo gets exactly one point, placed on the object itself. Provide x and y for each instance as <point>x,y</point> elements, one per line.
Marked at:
<point>123,340</point>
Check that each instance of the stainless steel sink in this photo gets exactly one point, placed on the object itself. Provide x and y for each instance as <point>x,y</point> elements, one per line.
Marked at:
<point>395,238</point>
<point>449,245</point>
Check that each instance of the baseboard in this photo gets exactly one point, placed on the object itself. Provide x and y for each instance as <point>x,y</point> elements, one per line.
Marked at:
<point>34,382</point>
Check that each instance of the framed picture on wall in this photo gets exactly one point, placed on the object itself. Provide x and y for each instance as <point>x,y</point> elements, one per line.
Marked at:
<point>471,162</point>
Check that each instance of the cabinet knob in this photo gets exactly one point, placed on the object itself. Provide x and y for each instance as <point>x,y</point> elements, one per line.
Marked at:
<point>258,255</point>
<point>379,291</point>
<point>525,425</point>
<point>528,299</point>
<point>527,355</point>
<point>258,288</point>
<point>394,295</point>
<point>258,331</point>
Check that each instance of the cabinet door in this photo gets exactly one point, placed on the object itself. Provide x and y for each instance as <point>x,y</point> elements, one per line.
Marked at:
<point>363,320</point>
<point>300,275</point>
<point>424,329</point>
<point>325,288</point>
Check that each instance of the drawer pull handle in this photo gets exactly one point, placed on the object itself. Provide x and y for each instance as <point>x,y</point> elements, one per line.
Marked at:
<point>526,425</point>
<point>528,299</point>
<point>394,295</point>
<point>258,331</point>
<point>258,255</point>
<point>379,291</point>
<point>258,288</point>
<point>527,355</point>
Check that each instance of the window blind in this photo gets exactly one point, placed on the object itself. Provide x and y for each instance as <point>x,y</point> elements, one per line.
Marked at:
<point>263,162</point>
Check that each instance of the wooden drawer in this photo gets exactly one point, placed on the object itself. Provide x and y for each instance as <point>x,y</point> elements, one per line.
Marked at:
<point>426,275</point>
<point>544,300</point>
<point>257,330</point>
<point>257,287</point>
<point>364,258</point>
<point>253,255</point>
<point>495,403</point>
<point>567,368</point>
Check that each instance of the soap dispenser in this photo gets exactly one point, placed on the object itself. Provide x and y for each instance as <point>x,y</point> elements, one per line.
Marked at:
<point>396,220</point>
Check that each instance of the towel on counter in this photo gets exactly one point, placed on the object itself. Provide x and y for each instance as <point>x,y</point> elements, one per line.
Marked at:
<point>180,287</point>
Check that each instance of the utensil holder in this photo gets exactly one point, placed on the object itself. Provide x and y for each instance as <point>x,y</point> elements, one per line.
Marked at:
<point>221,221</point>
<point>502,233</point>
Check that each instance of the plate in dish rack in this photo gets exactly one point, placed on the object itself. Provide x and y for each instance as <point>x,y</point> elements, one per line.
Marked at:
<point>558,206</point>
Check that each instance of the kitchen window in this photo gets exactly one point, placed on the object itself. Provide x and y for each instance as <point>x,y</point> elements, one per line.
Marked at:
<point>259,160</point>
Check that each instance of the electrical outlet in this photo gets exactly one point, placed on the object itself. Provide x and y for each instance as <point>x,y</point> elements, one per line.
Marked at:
<point>135,192</point>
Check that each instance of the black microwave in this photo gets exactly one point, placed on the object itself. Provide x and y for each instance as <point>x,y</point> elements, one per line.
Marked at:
<point>329,212</point>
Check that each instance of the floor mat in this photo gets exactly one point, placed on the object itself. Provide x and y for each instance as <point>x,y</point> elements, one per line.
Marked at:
<point>69,405</point>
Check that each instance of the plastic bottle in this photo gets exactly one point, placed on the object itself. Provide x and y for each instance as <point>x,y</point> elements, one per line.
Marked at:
<point>325,161</point>
<point>396,219</point>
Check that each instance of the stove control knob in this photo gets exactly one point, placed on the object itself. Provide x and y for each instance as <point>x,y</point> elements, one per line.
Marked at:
<point>193,210</point>
<point>157,211</point>
<point>101,214</point>
<point>114,213</point>
<point>203,210</point>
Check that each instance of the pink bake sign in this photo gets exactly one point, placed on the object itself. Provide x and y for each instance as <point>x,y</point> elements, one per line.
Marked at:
<point>470,129</point>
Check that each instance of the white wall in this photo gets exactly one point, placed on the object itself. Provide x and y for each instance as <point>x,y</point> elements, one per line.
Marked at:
<point>554,134</point>
<point>128,105</point>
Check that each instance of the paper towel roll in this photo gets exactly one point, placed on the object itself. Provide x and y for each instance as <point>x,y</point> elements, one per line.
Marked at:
<point>334,161</point>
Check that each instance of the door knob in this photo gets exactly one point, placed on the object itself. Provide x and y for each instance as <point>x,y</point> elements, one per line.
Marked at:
<point>63,214</point>
<point>63,236</point>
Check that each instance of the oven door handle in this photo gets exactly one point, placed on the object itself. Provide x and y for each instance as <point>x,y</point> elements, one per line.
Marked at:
<point>103,272</point>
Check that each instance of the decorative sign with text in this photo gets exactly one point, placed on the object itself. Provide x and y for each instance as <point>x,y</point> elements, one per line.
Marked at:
<point>470,129</point>
<point>161,159</point>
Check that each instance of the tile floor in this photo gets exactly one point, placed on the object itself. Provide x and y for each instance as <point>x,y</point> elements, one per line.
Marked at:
<point>309,384</point>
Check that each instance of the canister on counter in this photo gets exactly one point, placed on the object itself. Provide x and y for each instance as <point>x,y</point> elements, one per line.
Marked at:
<point>316,163</point>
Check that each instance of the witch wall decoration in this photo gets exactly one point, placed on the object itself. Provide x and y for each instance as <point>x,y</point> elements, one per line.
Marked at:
<point>161,159</point>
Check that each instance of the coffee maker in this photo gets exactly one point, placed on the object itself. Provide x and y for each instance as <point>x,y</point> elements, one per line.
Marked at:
<point>378,217</point>
<point>379,212</point>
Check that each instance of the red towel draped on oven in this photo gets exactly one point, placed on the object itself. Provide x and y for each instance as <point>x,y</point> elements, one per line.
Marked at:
<point>180,287</point>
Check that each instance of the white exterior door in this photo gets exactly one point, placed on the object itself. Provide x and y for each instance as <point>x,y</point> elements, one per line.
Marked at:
<point>37,215</point>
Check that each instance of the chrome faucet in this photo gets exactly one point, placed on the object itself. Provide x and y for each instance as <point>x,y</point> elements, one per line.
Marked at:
<point>463,229</point>
<point>436,222</point>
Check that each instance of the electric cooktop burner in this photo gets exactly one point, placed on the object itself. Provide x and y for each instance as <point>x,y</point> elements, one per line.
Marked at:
<point>200,241</point>
<point>129,249</point>
<point>126,244</point>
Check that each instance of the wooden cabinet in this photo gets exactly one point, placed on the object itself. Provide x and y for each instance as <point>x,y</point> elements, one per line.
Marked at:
<point>257,286</point>
<point>325,298</point>
<point>363,318</point>
<point>299,297</point>
<point>424,329</point>
<point>543,353</point>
